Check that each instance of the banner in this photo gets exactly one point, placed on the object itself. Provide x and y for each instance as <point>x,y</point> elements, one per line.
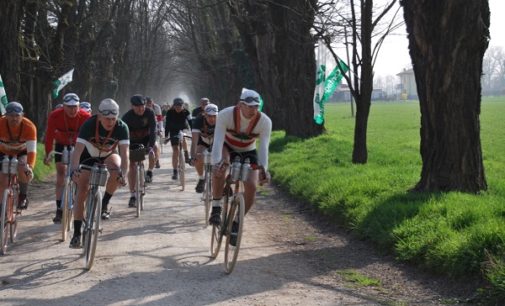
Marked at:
<point>62,82</point>
<point>3,97</point>
<point>325,84</point>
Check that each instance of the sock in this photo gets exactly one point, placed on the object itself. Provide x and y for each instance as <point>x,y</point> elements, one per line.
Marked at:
<point>133,194</point>
<point>23,188</point>
<point>77,227</point>
<point>201,177</point>
<point>216,203</point>
<point>58,204</point>
<point>105,200</point>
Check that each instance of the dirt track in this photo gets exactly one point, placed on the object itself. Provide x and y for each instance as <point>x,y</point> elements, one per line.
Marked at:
<point>288,257</point>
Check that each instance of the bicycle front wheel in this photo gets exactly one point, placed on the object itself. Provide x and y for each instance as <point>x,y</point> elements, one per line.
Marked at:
<point>142,186</point>
<point>66,220</point>
<point>182,166</point>
<point>137,189</point>
<point>207,196</point>
<point>92,229</point>
<point>3,223</point>
<point>235,215</point>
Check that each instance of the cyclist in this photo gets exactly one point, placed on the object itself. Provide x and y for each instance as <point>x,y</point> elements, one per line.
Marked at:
<point>237,129</point>
<point>160,130</point>
<point>100,138</point>
<point>202,135</point>
<point>86,106</point>
<point>177,119</point>
<point>142,125</point>
<point>62,127</point>
<point>18,137</point>
<point>197,111</point>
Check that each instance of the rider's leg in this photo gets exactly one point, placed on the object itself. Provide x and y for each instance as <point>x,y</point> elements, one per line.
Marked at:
<point>218,181</point>
<point>23,180</point>
<point>82,185</point>
<point>132,180</point>
<point>112,163</point>
<point>175,159</point>
<point>250,190</point>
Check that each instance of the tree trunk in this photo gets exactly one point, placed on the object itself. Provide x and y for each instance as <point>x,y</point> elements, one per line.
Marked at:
<point>447,41</point>
<point>277,38</point>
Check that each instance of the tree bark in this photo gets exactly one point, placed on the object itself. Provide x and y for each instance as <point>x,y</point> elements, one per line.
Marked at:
<point>447,41</point>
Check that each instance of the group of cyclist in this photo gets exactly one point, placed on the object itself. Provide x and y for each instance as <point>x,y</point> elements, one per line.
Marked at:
<point>108,139</point>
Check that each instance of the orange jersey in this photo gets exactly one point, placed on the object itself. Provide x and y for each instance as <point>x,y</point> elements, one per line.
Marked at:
<point>25,133</point>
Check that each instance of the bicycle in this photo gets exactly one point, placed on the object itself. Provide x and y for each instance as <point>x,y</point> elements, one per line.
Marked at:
<point>207,191</point>
<point>181,161</point>
<point>91,222</point>
<point>9,209</point>
<point>233,210</point>
<point>137,155</point>
<point>68,194</point>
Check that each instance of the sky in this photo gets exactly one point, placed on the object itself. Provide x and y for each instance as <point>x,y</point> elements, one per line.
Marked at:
<point>394,56</point>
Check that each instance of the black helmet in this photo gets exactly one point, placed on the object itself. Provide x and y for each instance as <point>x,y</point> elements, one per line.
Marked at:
<point>137,100</point>
<point>178,101</point>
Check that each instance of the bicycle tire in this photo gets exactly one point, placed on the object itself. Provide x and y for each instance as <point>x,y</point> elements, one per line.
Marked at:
<point>143,183</point>
<point>237,211</point>
<point>217,231</point>
<point>14,224</point>
<point>137,189</point>
<point>182,166</point>
<point>66,218</point>
<point>207,196</point>
<point>3,224</point>
<point>92,230</point>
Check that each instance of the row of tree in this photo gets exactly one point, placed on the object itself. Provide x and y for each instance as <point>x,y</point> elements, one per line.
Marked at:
<point>214,48</point>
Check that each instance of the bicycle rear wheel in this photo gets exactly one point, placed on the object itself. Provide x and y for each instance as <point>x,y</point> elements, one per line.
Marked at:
<point>236,213</point>
<point>66,220</point>
<point>218,231</point>
<point>3,223</point>
<point>182,166</point>
<point>92,229</point>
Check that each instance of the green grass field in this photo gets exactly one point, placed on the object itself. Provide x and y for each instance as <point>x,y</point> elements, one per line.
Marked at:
<point>456,234</point>
<point>42,171</point>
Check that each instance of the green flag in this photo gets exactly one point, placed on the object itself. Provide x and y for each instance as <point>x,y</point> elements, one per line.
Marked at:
<point>325,84</point>
<point>3,97</point>
<point>62,82</point>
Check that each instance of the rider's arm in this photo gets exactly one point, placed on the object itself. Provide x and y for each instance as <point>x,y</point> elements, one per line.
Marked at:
<point>167,126</point>
<point>219,133</point>
<point>152,130</point>
<point>51,128</point>
<point>195,135</point>
<point>123,153</point>
<point>76,156</point>
<point>264,139</point>
<point>30,134</point>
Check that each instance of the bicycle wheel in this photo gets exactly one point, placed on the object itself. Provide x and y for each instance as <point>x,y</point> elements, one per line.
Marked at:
<point>217,231</point>
<point>236,213</point>
<point>92,229</point>
<point>207,196</point>
<point>182,166</point>
<point>142,186</point>
<point>67,205</point>
<point>137,189</point>
<point>3,223</point>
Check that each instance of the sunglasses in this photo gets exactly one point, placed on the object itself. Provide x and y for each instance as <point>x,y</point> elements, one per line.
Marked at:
<point>109,112</point>
<point>14,110</point>
<point>251,99</point>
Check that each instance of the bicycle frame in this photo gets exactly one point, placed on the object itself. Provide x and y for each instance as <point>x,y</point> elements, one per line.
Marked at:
<point>8,209</point>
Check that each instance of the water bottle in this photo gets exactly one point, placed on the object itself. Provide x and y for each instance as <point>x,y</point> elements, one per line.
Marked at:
<point>64,155</point>
<point>246,168</point>
<point>206,157</point>
<point>235,169</point>
<point>5,165</point>
<point>14,165</point>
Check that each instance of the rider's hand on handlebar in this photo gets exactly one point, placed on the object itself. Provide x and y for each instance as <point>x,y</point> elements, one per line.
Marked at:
<point>29,172</point>
<point>264,176</point>
<point>47,160</point>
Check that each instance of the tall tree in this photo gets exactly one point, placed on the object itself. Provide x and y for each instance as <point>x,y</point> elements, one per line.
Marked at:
<point>276,36</point>
<point>447,42</point>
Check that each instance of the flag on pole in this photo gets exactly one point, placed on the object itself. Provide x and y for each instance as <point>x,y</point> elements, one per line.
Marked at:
<point>62,82</point>
<point>3,97</point>
<point>325,84</point>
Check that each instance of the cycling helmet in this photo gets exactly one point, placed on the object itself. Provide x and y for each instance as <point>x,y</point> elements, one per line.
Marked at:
<point>137,100</point>
<point>86,106</point>
<point>211,109</point>
<point>178,101</point>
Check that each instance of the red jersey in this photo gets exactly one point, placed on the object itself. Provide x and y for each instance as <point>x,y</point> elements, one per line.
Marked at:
<point>63,129</point>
